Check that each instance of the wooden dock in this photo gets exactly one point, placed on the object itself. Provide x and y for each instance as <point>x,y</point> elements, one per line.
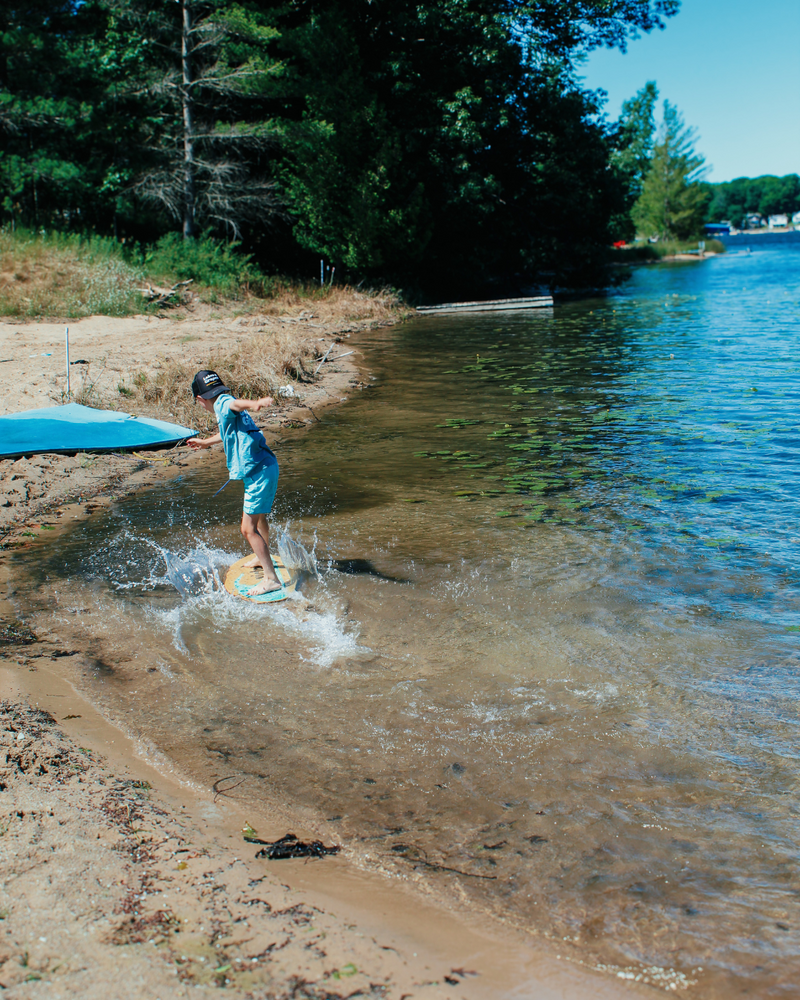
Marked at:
<point>490,305</point>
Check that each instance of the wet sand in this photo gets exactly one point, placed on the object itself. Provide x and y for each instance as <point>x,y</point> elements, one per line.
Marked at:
<point>112,864</point>
<point>109,862</point>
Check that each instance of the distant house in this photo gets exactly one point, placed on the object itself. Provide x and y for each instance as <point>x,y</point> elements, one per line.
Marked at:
<point>796,218</point>
<point>717,228</point>
<point>753,220</point>
<point>776,221</point>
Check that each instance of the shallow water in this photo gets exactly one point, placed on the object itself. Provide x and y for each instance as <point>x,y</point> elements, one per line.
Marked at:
<point>553,645</point>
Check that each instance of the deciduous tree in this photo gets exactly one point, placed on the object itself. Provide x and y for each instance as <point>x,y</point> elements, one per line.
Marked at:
<point>436,140</point>
<point>768,195</point>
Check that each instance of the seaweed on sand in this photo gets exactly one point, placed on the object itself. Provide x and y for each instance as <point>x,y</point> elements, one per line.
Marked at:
<point>290,847</point>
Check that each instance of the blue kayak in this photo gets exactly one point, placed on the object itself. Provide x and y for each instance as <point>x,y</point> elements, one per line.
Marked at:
<point>82,428</point>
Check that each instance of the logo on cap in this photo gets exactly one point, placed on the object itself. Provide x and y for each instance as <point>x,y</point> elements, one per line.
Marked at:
<point>208,385</point>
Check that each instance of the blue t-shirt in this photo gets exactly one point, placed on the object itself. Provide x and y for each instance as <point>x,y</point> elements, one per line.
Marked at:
<point>246,449</point>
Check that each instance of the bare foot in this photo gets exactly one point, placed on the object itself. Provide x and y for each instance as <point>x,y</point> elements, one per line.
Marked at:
<point>251,563</point>
<point>265,587</point>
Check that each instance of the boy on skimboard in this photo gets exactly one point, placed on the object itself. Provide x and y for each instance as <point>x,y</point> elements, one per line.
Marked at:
<point>250,459</point>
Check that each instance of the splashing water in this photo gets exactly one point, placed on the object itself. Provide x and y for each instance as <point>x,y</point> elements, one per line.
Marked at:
<point>134,566</point>
<point>294,556</point>
<point>192,575</point>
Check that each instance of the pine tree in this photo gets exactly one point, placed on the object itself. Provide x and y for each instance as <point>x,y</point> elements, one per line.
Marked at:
<point>634,140</point>
<point>673,201</point>
<point>632,153</point>
<point>205,79</point>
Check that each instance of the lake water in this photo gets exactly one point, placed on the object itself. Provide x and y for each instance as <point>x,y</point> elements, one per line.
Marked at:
<point>550,669</point>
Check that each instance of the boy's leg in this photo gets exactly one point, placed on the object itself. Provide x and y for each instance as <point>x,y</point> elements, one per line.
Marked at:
<point>259,492</point>
<point>263,530</point>
<point>260,546</point>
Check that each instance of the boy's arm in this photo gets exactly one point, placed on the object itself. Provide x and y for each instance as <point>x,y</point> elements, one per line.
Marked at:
<point>254,405</point>
<point>205,442</point>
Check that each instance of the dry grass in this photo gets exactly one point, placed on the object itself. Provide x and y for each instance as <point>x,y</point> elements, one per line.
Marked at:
<point>281,333</point>
<point>69,276</point>
<point>65,276</point>
<point>258,367</point>
<point>288,336</point>
<point>338,304</point>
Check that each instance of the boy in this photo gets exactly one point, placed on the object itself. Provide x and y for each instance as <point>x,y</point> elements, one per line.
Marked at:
<point>250,459</point>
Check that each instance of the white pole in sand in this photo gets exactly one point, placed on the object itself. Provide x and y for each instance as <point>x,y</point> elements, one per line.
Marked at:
<point>66,336</point>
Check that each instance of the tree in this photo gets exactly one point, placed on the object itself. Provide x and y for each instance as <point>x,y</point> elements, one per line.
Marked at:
<point>124,111</point>
<point>446,146</point>
<point>208,71</point>
<point>633,142</point>
<point>632,139</point>
<point>436,140</point>
<point>47,97</point>
<point>731,200</point>
<point>673,202</point>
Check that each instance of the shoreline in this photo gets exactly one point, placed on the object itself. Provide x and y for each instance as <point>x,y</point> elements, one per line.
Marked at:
<point>381,939</point>
<point>427,939</point>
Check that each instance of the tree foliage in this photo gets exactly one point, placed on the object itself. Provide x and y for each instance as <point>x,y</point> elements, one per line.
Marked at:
<point>673,201</point>
<point>204,70</point>
<point>731,201</point>
<point>447,144</point>
<point>51,117</point>
<point>632,152</point>
<point>444,146</point>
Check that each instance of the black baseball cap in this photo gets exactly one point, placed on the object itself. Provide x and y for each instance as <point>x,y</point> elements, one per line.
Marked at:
<point>208,385</point>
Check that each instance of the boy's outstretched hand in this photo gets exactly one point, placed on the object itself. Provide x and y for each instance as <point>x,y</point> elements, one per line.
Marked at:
<point>204,442</point>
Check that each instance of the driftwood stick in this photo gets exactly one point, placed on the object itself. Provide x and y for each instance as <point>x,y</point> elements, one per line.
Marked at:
<point>324,358</point>
<point>164,294</point>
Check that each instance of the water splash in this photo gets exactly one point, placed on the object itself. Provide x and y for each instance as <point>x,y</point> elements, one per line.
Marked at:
<point>192,571</point>
<point>295,557</point>
<point>196,573</point>
<point>134,562</point>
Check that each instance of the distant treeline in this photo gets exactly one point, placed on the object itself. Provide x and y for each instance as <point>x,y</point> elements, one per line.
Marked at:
<point>446,147</point>
<point>732,201</point>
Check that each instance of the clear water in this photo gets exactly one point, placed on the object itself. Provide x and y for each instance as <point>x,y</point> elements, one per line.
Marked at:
<point>554,641</point>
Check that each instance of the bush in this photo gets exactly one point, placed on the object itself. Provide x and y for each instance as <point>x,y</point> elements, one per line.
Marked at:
<point>206,261</point>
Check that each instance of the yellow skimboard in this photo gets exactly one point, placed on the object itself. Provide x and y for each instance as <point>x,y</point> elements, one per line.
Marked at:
<point>240,578</point>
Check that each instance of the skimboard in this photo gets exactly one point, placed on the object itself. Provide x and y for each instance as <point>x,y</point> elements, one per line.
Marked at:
<point>240,577</point>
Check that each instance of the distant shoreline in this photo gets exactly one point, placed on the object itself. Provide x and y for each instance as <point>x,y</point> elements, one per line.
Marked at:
<point>743,238</point>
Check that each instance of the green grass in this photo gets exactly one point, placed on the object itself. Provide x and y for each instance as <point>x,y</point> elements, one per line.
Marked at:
<point>69,276</point>
<point>216,267</point>
<point>66,275</point>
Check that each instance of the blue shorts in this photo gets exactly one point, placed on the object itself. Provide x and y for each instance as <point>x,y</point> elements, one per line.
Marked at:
<point>259,489</point>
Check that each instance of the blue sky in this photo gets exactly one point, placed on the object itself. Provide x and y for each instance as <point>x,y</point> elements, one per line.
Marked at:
<point>733,69</point>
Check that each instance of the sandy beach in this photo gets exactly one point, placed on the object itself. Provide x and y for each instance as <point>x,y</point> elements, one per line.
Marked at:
<point>124,879</point>
<point>108,355</point>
